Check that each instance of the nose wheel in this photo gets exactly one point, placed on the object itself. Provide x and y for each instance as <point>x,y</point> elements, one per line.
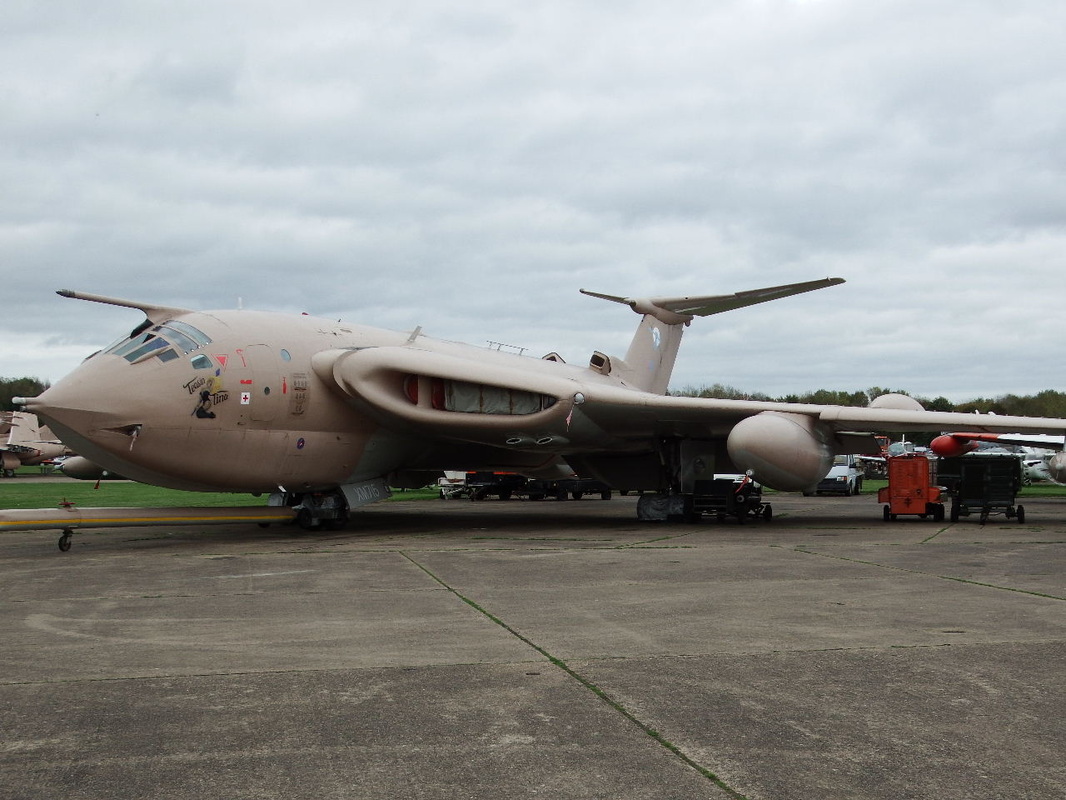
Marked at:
<point>64,540</point>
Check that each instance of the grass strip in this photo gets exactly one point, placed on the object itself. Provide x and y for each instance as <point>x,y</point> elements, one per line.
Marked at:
<point>49,493</point>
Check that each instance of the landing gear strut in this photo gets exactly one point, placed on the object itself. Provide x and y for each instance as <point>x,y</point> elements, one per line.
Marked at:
<point>315,510</point>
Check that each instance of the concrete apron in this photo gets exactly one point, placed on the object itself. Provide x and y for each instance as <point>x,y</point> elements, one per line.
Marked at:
<point>522,649</point>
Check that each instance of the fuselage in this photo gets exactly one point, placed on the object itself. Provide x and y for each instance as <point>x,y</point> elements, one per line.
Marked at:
<point>231,401</point>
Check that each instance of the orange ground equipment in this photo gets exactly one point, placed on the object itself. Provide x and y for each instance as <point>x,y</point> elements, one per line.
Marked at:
<point>910,488</point>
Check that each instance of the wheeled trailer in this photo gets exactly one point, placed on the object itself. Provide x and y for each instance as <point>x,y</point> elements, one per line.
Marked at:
<point>730,496</point>
<point>911,488</point>
<point>567,487</point>
<point>505,485</point>
<point>501,484</point>
<point>983,483</point>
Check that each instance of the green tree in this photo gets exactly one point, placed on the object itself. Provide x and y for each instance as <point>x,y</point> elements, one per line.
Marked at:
<point>19,387</point>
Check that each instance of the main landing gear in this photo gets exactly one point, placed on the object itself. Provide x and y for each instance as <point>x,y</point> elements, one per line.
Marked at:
<point>315,510</point>
<point>695,490</point>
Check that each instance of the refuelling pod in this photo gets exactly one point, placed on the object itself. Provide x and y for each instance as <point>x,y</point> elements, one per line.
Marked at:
<point>785,451</point>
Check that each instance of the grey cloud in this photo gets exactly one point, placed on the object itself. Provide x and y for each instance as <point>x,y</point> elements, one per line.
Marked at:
<point>469,169</point>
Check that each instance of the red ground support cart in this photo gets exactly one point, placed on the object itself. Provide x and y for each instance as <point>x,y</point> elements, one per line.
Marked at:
<point>910,488</point>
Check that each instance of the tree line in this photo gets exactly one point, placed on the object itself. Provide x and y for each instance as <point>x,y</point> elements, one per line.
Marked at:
<point>19,387</point>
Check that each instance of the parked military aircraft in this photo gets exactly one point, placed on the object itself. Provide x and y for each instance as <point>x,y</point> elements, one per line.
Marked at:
<point>25,442</point>
<point>1053,468</point>
<point>326,416</point>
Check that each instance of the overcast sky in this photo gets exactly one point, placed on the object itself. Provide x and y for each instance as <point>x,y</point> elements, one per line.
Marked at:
<point>467,167</point>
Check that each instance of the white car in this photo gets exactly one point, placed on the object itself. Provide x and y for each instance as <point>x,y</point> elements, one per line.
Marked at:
<point>844,477</point>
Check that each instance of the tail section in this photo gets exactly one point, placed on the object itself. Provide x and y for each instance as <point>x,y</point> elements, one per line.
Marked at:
<point>650,359</point>
<point>24,429</point>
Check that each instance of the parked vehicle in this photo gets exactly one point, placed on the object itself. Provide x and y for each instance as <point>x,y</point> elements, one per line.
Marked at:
<point>844,477</point>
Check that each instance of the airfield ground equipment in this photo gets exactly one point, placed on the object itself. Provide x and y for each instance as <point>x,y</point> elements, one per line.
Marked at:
<point>721,495</point>
<point>505,485</point>
<point>730,496</point>
<point>912,488</point>
<point>985,484</point>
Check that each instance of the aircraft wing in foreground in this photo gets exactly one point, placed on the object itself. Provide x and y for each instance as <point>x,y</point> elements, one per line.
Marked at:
<point>325,416</point>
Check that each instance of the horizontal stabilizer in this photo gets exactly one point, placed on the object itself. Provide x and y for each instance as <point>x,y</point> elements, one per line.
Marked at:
<point>155,313</point>
<point>713,304</point>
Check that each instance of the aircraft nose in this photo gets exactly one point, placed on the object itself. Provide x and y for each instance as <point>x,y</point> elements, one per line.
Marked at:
<point>83,403</point>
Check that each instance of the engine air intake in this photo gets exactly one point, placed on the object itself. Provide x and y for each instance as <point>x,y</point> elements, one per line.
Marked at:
<point>443,394</point>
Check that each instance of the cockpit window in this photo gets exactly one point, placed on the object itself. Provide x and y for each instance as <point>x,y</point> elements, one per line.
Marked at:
<point>195,336</point>
<point>165,341</point>
<point>201,362</point>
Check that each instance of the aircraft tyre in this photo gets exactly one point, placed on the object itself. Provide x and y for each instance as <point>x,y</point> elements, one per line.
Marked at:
<point>1021,514</point>
<point>64,540</point>
<point>335,524</point>
<point>306,520</point>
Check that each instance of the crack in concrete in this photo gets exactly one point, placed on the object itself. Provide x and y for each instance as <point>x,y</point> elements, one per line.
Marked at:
<point>600,693</point>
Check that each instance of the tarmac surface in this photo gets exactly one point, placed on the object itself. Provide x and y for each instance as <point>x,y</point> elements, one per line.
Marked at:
<point>519,649</point>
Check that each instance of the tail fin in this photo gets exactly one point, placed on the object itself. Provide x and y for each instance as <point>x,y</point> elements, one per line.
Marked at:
<point>24,428</point>
<point>650,359</point>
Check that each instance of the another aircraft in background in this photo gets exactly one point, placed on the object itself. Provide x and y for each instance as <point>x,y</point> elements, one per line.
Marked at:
<point>1054,466</point>
<point>325,416</point>
<point>25,442</point>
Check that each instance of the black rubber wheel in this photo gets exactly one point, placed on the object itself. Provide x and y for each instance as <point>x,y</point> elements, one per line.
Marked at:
<point>305,519</point>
